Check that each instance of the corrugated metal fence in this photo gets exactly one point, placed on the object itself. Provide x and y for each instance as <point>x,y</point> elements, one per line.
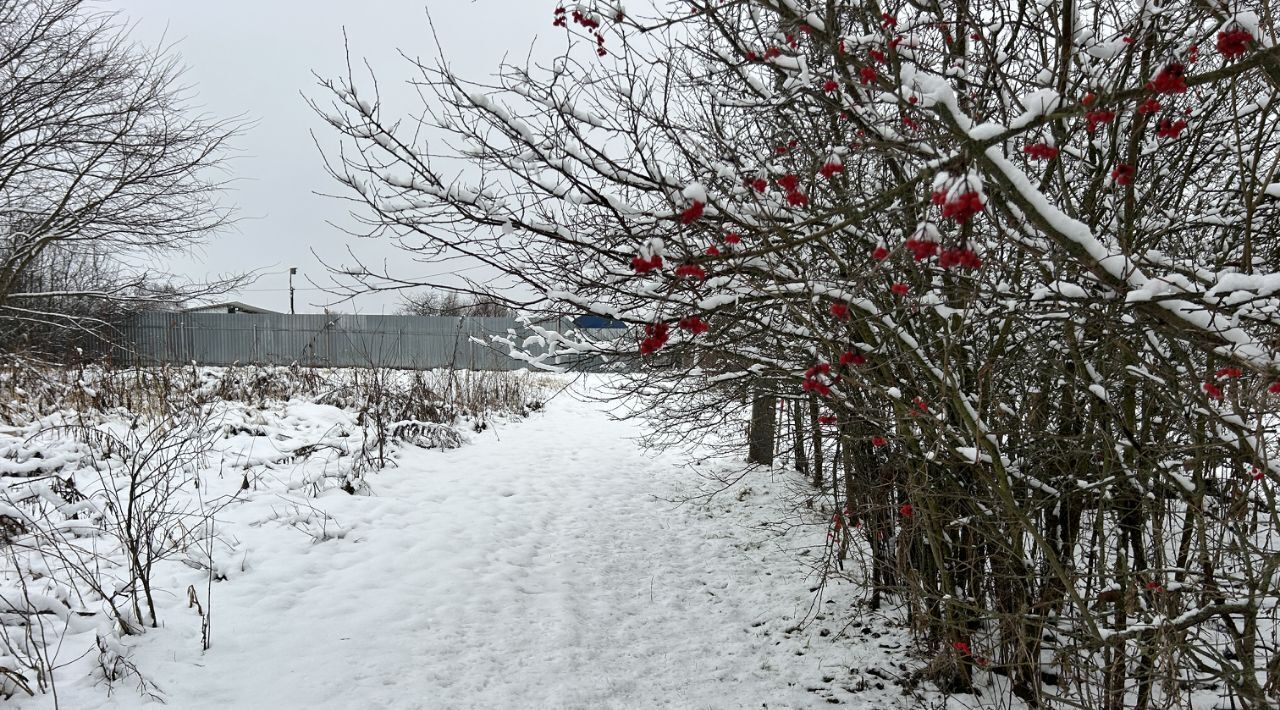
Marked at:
<point>329,340</point>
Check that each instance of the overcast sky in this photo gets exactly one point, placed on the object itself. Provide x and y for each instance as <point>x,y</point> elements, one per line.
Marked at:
<point>255,58</point>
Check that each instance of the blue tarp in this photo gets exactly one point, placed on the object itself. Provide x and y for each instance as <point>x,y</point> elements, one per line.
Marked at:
<point>597,322</point>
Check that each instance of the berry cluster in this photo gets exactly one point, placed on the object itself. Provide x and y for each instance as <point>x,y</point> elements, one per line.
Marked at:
<point>1040,151</point>
<point>819,379</point>
<point>586,21</point>
<point>691,271</point>
<point>644,265</point>
<point>1234,43</point>
<point>656,335</point>
<point>694,325</point>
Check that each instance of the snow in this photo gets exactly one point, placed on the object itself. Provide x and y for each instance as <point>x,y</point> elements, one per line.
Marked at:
<point>547,563</point>
<point>1107,50</point>
<point>1065,289</point>
<point>711,303</point>
<point>1037,103</point>
<point>986,131</point>
<point>695,192</point>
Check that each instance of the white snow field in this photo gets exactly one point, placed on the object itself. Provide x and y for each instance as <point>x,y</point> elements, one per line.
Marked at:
<point>542,565</point>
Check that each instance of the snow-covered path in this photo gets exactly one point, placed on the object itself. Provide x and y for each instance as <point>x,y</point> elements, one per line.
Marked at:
<point>534,568</point>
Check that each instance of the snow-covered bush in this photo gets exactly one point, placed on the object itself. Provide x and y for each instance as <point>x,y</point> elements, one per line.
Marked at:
<point>86,529</point>
<point>1012,264</point>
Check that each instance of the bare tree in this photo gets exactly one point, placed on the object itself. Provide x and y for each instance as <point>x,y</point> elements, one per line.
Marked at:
<point>434,302</point>
<point>103,166</point>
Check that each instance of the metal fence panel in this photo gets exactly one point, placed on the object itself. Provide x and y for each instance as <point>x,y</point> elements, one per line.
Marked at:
<point>323,340</point>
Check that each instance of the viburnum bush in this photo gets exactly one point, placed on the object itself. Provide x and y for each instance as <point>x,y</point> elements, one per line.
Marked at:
<point>1011,265</point>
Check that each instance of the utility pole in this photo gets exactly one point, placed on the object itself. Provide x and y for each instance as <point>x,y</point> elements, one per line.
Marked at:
<point>292,270</point>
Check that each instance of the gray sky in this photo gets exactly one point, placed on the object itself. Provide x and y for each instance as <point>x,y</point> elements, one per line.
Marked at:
<point>252,58</point>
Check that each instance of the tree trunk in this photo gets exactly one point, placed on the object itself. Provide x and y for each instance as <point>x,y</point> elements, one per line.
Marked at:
<point>798,437</point>
<point>816,430</point>
<point>764,420</point>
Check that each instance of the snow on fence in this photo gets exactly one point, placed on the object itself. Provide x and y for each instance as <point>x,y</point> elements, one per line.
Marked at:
<point>326,340</point>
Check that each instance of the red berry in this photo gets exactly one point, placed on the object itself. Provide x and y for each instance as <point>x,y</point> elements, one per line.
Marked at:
<point>1234,43</point>
<point>1097,118</point>
<point>1169,80</point>
<point>1122,174</point>
<point>692,213</point>
<point>1040,151</point>
<point>851,358</point>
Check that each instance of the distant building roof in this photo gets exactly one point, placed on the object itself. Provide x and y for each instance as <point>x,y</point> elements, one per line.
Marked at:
<point>229,307</point>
